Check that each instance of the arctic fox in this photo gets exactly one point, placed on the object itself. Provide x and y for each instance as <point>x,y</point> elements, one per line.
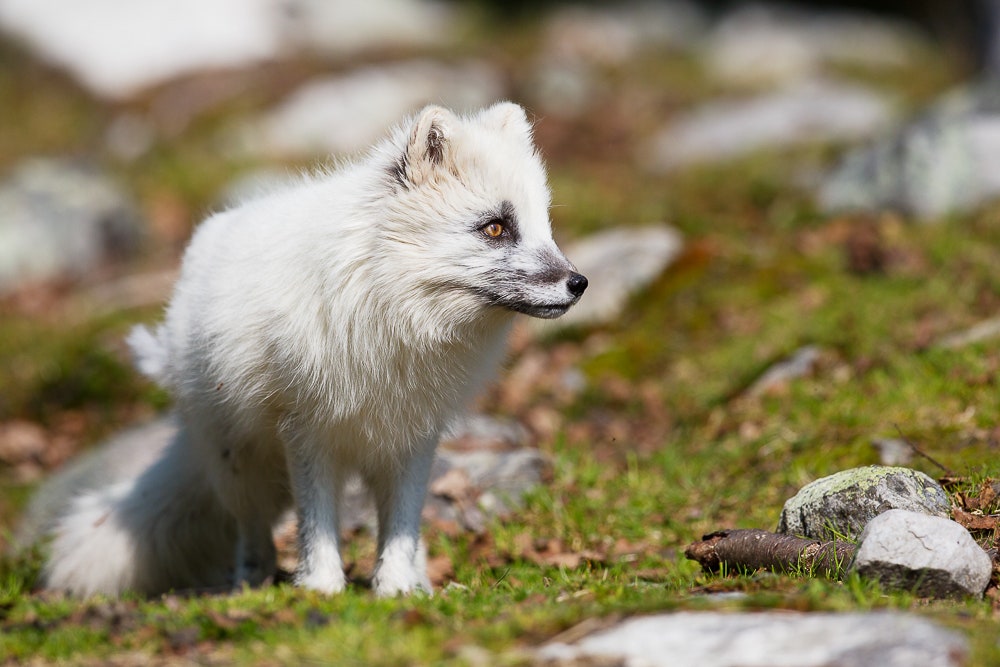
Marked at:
<point>329,329</point>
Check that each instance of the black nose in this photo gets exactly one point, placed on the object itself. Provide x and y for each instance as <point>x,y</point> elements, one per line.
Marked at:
<point>576,284</point>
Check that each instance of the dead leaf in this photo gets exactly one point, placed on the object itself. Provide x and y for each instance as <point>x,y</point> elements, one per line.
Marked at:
<point>440,569</point>
<point>974,521</point>
<point>455,484</point>
<point>21,441</point>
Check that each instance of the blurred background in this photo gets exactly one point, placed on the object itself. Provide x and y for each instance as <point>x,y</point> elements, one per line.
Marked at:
<point>689,144</point>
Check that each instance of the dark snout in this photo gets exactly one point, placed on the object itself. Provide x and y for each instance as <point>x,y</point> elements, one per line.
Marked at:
<point>576,284</point>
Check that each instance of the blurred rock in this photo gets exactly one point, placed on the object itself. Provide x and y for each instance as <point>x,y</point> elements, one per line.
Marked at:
<point>563,89</point>
<point>117,48</point>
<point>982,331</point>
<point>59,219</point>
<point>347,113</point>
<point>800,364</point>
<point>758,43</point>
<point>618,263</point>
<point>21,441</point>
<point>841,505</point>
<point>616,33</point>
<point>344,27</point>
<point>765,639</point>
<point>927,555</point>
<point>808,112</point>
<point>893,451</point>
<point>946,161</point>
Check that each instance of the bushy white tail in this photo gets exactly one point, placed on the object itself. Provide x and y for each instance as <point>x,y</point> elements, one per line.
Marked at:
<point>162,530</point>
<point>149,352</point>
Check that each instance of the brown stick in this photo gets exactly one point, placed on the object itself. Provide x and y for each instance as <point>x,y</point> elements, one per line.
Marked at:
<point>752,549</point>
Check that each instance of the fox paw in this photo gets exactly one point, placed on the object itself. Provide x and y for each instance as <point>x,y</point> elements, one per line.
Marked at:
<point>325,581</point>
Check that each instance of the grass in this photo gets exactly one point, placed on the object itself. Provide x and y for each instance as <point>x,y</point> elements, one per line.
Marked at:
<point>662,445</point>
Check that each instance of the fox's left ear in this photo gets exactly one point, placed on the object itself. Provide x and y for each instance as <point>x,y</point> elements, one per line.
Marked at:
<point>429,142</point>
<point>508,117</point>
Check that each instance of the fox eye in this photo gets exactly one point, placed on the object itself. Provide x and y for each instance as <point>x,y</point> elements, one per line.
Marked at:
<point>494,230</point>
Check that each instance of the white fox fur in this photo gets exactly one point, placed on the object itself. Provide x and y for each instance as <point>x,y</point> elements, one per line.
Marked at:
<point>329,329</point>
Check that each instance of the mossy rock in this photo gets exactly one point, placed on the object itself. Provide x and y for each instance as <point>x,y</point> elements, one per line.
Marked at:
<point>841,505</point>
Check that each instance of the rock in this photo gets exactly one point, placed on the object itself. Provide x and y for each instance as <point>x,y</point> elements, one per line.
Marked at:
<point>617,262</point>
<point>809,112</point>
<point>800,364</point>
<point>117,48</point>
<point>766,639</point>
<point>21,441</point>
<point>893,451</point>
<point>346,113</point>
<point>615,34</point>
<point>345,27</point>
<point>758,44</point>
<point>62,219</point>
<point>841,505</point>
<point>982,331</point>
<point>946,161</point>
<point>928,555</point>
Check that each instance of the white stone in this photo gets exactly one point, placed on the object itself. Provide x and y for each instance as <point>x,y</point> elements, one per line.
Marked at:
<point>758,44</point>
<point>804,113</point>
<point>119,47</point>
<point>616,33</point>
<point>59,219</point>
<point>769,639</point>
<point>617,262</point>
<point>346,113</point>
<point>928,555</point>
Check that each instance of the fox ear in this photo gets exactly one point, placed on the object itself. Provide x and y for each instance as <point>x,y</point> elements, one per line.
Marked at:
<point>428,144</point>
<point>508,117</point>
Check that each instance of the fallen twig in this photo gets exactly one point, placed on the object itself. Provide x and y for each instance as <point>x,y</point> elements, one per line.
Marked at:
<point>753,549</point>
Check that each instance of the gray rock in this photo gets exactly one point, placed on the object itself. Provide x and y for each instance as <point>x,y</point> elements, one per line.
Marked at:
<point>60,219</point>
<point>800,364</point>
<point>617,262</point>
<point>117,48</point>
<point>946,161</point>
<point>345,114</point>
<point>842,504</point>
<point>893,451</point>
<point>767,639</point>
<point>982,331</point>
<point>614,34</point>
<point>808,112</point>
<point>776,44</point>
<point>928,555</point>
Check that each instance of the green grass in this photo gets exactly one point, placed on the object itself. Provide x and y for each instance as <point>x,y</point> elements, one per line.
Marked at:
<point>662,445</point>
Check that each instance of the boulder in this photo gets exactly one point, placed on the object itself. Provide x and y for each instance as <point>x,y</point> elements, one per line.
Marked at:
<point>618,263</point>
<point>841,505</point>
<point>346,113</point>
<point>809,112</point>
<point>62,219</point>
<point>928,555</point>
<point>943,162</point>
<point>766,639</point>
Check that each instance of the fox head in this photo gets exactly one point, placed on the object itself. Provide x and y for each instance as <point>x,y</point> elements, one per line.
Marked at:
<point>467,218</point>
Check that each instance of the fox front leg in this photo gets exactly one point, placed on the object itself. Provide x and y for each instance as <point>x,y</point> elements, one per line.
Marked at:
<point>399,497</point>
<point>317,486</point>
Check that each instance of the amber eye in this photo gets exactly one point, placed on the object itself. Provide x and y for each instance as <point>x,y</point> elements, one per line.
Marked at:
<point>493,230</point>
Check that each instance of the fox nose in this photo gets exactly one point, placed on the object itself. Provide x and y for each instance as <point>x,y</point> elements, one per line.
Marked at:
<point>576,284</point>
